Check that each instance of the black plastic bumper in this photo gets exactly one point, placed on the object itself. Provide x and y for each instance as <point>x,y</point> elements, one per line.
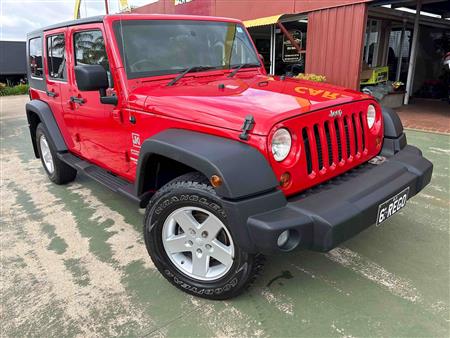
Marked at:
<point>333,212</point>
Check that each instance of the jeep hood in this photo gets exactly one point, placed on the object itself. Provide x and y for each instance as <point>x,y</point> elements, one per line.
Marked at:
<point>225,102</point>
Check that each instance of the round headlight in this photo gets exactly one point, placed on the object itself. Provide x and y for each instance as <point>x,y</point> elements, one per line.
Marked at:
<point>371,112</point>
<point>281,144</point>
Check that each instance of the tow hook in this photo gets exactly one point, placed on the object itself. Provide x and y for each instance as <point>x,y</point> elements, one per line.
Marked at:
<point>377,160</point>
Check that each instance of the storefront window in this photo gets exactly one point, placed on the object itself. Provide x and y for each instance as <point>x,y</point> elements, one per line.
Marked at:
<point>281,57</point>
<point>396,50</point>
<point>372,42</point>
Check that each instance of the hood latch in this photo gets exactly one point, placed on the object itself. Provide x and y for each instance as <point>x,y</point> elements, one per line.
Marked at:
<point>248,125</point>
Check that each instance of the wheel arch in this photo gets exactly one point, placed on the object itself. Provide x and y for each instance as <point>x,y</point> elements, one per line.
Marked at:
<point>39,112</point>
<point>244,170</point>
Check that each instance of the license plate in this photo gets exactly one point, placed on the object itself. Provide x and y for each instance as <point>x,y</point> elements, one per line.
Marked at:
<point>392,206</point>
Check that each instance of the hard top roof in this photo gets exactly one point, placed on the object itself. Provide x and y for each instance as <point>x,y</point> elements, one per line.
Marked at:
<point>101,18</point>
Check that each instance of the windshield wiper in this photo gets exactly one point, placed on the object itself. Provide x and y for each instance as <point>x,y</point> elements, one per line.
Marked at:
<point>189,70</point>
<point>244,65</point>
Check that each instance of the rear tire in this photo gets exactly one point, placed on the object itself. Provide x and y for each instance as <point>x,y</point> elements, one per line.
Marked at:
<point>187,210</point>
<point>57,171</point>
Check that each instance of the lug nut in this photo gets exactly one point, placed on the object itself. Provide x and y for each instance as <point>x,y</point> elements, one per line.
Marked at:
<point>205,234</point>
<point>207,246</point>
<point>199,251</point>
<point>190,243</point>
<point>192,231</point>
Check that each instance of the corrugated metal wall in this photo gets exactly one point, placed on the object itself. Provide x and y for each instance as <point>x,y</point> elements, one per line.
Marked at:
<point>335,43</point>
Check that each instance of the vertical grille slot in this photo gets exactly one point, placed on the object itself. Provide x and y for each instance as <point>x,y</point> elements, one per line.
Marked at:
<point>339,142</point>
<point>329,144</point>
<point>318,146</point>
<point>355,133</point>
<point>362,131</point>
<point>307,150</point>
<point>347,137</point>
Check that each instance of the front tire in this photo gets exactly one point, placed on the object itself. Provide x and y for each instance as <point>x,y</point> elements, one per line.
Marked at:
<point>188,238</point>
<point>57,171</point>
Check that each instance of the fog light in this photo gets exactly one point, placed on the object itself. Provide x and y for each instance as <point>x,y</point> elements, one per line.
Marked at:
<point>283,238</point>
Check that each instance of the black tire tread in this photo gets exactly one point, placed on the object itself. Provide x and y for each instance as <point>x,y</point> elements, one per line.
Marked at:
<point>63,173</point>
<point>197,181</point>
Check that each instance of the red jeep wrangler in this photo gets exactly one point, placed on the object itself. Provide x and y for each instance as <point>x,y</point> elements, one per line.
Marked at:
<point>178,114</point>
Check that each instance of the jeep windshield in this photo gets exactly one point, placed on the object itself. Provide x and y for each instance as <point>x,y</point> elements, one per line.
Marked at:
<point>163,47</point>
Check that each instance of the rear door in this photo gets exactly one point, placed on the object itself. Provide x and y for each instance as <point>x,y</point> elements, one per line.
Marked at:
<point>58,87</point>
<point>102,133</point>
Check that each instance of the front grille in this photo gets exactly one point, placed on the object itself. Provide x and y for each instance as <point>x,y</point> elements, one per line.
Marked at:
<point>337,140</point>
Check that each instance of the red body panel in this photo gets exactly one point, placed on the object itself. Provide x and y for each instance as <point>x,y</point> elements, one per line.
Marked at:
<point>106,136</point>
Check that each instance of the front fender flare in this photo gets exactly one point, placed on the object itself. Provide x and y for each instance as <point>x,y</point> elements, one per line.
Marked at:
<point>244,170</point>
<point>394,137</point>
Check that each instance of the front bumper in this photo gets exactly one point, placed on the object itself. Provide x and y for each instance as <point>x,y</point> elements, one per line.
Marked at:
<point>331,213</point>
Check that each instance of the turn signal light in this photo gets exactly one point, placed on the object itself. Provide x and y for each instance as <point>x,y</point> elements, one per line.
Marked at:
<point>285,179</point>
<point>216,181</point>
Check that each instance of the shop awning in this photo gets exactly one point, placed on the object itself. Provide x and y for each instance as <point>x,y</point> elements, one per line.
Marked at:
<point>268,20</point>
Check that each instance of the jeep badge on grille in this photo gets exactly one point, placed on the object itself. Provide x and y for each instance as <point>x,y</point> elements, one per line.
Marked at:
<point>336,113</point>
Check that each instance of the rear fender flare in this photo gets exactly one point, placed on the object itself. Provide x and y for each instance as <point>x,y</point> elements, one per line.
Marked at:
<point>45,114</point>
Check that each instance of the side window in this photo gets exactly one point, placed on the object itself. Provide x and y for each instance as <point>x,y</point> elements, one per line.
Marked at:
<point>56,60</point>
<point>35,52</point>
<point>89,47</point>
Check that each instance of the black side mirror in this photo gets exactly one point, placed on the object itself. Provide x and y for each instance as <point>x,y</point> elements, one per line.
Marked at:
<point>94,77</point>
<point>91,77</point>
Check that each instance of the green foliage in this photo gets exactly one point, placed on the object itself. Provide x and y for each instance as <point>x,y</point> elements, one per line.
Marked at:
<point>15,90</point>
<point>311,77</point>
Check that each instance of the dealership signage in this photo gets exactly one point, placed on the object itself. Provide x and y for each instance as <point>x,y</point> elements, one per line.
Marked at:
<point>290,53</point>
<point>181,2</point>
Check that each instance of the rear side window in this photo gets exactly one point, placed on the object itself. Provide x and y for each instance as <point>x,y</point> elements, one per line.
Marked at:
<point>35,52</point>
<point>56,61</point>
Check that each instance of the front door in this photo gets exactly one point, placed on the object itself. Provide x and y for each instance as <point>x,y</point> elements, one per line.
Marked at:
<point>101,131</point>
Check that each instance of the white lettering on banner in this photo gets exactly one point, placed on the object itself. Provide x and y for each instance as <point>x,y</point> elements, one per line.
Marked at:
<point>181,2</point>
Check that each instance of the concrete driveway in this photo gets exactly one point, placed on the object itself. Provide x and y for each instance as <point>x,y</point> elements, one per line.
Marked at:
<point>73,263</point>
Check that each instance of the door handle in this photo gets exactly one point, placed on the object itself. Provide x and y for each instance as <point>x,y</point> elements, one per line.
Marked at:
<point>51,93</point>
<point>78,100</point>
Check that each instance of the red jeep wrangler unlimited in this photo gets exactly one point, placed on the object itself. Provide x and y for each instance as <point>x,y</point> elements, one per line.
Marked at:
<point>178,114</point>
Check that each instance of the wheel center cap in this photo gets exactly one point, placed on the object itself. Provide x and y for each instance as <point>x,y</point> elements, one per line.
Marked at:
<point>199,241</point>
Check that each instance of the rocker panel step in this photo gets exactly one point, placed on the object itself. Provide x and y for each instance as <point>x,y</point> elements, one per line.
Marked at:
<point>102,176</point>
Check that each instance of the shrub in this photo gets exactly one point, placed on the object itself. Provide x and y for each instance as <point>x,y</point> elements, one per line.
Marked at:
<point>311,77</point>
<point>15,90</point>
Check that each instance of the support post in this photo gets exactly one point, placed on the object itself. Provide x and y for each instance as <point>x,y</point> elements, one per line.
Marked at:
<point>412,59</point>
<point>106,7</point>
<point>272,49</point>
<point>400,56</point>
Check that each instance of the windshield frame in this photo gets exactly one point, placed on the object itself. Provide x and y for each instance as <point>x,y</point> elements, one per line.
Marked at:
<point>116,26</point>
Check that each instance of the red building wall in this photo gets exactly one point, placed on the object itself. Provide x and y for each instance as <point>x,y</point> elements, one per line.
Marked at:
<point>335,43</point>
<point>242,9</point>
